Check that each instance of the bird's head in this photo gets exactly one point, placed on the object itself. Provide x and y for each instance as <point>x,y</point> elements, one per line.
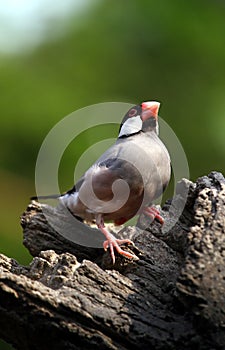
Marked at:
<point>143,117</point>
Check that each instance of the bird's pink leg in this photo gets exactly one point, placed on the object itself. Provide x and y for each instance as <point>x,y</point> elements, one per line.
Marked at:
<point>112,242</point>
<point>153,213</point>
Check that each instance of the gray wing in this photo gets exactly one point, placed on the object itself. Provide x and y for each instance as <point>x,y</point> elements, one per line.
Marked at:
<point>139,158</point>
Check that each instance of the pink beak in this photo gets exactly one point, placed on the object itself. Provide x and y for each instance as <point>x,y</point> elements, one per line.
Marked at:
<point>150,109</point>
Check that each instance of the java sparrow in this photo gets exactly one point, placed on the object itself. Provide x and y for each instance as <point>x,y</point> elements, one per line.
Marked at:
<point>126,179</point>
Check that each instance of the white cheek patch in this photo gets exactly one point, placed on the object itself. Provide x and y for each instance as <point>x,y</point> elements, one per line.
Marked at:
<point>131,126</point>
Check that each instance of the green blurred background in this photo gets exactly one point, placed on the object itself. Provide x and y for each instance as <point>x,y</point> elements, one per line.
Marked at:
<point>56,57</point>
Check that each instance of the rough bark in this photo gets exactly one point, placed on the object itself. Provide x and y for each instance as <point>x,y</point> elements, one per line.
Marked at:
<point>71,297</point>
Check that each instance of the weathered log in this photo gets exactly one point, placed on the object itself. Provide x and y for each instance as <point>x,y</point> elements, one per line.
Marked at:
<point>72,297</point>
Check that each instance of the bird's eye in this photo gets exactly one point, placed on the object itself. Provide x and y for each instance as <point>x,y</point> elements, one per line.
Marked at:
<point>132,112</point>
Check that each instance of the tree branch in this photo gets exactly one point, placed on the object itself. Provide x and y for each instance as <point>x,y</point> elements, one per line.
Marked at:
<point>71,297</point>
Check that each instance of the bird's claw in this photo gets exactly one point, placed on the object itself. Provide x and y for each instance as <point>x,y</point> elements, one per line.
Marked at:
<point>153,213</point>
<point>116,242</point>
<point>112,243</point>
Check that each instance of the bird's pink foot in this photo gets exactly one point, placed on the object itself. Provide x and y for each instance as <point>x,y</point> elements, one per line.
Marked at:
<point>153,213</point>
<point>112,242</point>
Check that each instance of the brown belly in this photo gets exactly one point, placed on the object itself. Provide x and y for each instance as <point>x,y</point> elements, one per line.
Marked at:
<point>127,211</point>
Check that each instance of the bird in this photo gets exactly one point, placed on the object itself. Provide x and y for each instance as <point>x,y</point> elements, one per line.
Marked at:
<point>126,179</point>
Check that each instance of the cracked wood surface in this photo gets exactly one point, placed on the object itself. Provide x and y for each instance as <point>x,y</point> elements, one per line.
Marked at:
<point>71,297</point>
